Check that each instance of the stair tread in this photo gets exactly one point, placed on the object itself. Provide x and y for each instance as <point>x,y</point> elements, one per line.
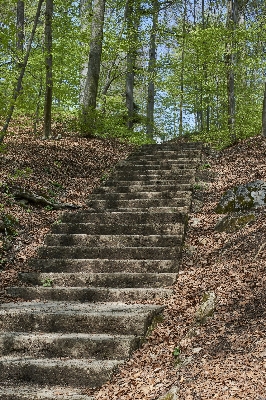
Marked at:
<point>104,265</point>
<point>79,362</point>
<point>90,294</point>
<point>77,308</point>
<point>36,392</point>
<point>60,335</point>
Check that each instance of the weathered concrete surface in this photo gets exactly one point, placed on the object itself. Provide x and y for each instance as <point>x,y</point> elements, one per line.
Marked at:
<point>80,321</point>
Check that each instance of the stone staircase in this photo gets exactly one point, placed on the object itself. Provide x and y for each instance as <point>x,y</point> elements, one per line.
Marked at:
<point>100,279</point>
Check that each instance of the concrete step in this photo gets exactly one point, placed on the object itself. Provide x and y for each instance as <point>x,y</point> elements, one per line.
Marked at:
<point>110,241</point>
<point>143,188</point>
<point>180,163</point>
<point>126,217</point>
<point>17,391</point>
<point>173,158</point>
<point>144,175</point>
<point>155,166</point>
<point>110,280</point>
<point>173,144</point>
<point>67,345</point>
<point>96,229</point>
<point>75,317</point>
<point>160,195</point>
<point>166,154</point>
<point>159,170</point>
<point>141,180</point>
<point>91,294</point>
<point>151,210</point>
<point>71,372</point>
<point>105,265</point>
<point>112,253</point>
<point>138,203</point>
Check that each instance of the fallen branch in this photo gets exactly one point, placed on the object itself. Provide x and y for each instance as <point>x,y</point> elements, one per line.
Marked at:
<point>261,247</point>
<point>20,193</point>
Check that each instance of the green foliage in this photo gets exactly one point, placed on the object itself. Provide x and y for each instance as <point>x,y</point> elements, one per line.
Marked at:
<point>22,173</point>
<point>176,352</point>
<point>205,166</point>
<point>47,282</point>
<point>48,208</point>
<point>57,185</point>
<point>3,148</point>
<point>177,355</point>
<point>10,223</point>
<point>190,72</point>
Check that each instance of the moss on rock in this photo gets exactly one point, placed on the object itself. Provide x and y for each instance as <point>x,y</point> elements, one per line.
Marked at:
<point>232,223</point>
<point>243,198</point>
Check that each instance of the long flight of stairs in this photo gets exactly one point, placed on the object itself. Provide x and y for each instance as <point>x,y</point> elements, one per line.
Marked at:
<point>100,279</point>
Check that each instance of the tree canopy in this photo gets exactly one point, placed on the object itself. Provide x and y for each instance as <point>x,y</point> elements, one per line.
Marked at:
<point>140,70</point>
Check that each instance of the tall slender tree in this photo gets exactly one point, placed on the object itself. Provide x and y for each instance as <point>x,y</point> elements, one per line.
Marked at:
<point>85,10</point>
<point>264,113</point>
<point>49,69</point>
<point>94,64</point>
<point>20,24</point>
<point>182,72</point>
<point>133,21</point>
<point>18,86</point>
<point>151,70</point>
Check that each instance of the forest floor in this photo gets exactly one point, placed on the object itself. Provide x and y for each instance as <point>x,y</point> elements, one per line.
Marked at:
<point>224,357</point>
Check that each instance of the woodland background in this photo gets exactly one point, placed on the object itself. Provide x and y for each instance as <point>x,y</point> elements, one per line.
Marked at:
<point>96,75</point>
<point>138,70</point>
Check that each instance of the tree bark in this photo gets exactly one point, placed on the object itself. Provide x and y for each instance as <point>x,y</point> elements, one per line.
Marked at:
<point>133,19</point>
<point>151,71</point>
<point>20,25</point>
<point>21,74</point>
<point>264,113</point>
<point>232,19</point>
<point>181,102</point>
<point>85,10</point>
<point>131,58</point>
<point>49,69</point>
<point>94,62</point>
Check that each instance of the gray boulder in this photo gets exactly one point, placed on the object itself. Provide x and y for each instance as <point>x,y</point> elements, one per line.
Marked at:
<point>243,197</point>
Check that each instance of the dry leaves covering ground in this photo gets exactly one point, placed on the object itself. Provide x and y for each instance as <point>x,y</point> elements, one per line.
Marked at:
<point>224,358</point>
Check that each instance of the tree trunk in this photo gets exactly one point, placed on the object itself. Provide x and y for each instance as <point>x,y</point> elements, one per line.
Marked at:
<point>181,102</point>
<point>85,10</point>
<point>20,25</point>
<point>49,69</point>
<point>22,72</point>
<point>151,71</point>
<point>133,19</point>
<point>230,60</point>
<point>94,63</point>
<point>264,114</point>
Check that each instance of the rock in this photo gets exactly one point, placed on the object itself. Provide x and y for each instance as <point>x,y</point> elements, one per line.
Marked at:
<point>206,308</point>
<point>232,223</point>
<point>194,222</point>
<point>243,197</point>
<point>2,225</point>
<point>171,395</point>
